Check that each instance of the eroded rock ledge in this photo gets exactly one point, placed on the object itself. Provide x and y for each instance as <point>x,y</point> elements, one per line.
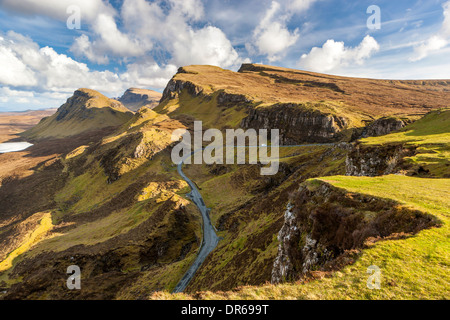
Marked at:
<point>372,161</point>
<point>296,124</point>
<point>323,224</point>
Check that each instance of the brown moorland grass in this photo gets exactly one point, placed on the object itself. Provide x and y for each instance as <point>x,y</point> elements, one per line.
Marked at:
<point>12,123</point>
<point>271,85</point>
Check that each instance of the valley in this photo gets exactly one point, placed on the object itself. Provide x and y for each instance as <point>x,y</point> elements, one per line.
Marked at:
<point>363,180</point>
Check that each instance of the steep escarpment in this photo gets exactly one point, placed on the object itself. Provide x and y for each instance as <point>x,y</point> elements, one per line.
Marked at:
<point>384,126</point>
<point>298,124</point>
<point>87,110</point>
<point>322,226</point>
<point>117,207</point>
<point>304,106</point>
<point>139,141</point>
<point>251,215</point>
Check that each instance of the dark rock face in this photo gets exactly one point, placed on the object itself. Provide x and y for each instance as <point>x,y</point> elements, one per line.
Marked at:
<point>383,126</point>
<point>134,99</point>
<point>174,88</point>
<point>228,99</point>
<point>325,227</point>
<point>375,161</point>
<point>132,146</point>
<point>75,107</point>
<point>297,125</point>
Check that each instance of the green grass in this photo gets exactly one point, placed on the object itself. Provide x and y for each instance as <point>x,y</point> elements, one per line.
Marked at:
<point>204,109</point>
<point>430,135</point>
<point>412,268</point>
<point>416,267</point>
<point>433,129</point>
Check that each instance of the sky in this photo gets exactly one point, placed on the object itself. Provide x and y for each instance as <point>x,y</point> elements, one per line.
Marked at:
<point>50,48</point>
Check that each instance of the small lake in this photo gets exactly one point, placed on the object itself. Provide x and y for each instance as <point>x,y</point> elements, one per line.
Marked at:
<point>14,146</point>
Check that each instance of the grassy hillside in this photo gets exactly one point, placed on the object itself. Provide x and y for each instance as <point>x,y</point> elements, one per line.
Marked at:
<point>412,266</point>
<point>267,85</point>
<point>117,206</point>
<point>430,137</point>
<point>119,215</point>
<point>304,106</point>
<point>86,110</point>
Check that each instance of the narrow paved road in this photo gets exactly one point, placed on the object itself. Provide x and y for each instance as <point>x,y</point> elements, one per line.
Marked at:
<point>210,238</point>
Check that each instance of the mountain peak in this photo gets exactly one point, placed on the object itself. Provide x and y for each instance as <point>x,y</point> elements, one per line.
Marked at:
<point>86,110</point>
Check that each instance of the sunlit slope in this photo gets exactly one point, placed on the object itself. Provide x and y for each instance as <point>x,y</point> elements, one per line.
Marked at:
<point>267,85</point>
<point>429,136</point>
<point>85,111</point>
<point>121,202</point>
<point>304,106</point>
<point>413,266</point>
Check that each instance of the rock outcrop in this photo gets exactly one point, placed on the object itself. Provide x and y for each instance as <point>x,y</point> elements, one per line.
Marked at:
<point>174,88</point>
<point>324,228</point>
<point>297,124</point>
<point>371,161</point>
<point>383,126</point>
<point>134,99</point>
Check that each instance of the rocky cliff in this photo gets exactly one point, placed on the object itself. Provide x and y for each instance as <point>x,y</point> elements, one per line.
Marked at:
<point>304,106</point>
<point>135,98</point>
<point>377,160</point>
<point>297,124</point>
<point>325,227</point>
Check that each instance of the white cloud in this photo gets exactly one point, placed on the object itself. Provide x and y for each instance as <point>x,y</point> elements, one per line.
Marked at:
<point>58,9</point>
<point>148,74</point>
<point>272,37</point>
<point>173,27</point>
<point>171,30</point>
<point>208,45</point>
<point>436,41</point>
<point>192,9</point>
<point>6,94</point>
<point>333,55</point>
<point>99,15</point>
<point>26,65</point>
<point>299,6</point>
<point>82,46</point>
<point>14,71</point>
<point>109,41</point>
<point>34,77</point>
<point>274,40</point>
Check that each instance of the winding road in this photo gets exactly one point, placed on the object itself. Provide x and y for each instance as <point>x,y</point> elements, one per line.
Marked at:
<point>210,238</point>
